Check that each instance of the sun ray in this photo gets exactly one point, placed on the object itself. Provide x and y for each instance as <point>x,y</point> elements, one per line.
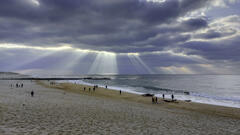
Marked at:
<point>139,65</point>
<point>104,63</point>
<point>21,63</point>
<point>72,60</point>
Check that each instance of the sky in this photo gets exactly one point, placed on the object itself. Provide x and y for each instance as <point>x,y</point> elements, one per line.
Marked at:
<point>73,37</point>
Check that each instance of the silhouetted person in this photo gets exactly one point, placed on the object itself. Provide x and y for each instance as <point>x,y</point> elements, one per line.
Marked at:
<point>163,96</point>
<point>32,93</point>
<point>94,88</point>
<point>22,85</point>
<point>84,88</point>
<point>152,100</point>
<point>172,97</point>
<point>16,85</point>
<point>106,86</point>
<point>120,92</point>
<point>156,100</point>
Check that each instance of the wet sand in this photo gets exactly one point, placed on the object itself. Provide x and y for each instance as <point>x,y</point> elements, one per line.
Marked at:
<point>67,109</point>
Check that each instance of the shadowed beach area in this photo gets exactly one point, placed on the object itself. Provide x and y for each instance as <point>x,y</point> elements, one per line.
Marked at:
<point>67,109</point>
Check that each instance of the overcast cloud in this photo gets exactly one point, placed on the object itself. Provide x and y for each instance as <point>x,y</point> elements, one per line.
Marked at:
<point>171,36</point>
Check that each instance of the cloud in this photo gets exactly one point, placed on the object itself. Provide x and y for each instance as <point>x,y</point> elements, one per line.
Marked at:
<point>101,25</point>
<point>193,24</point>
<point>160,36</point>
<point>213,34</point>
<point>219,30</point>
<point>225,50</point>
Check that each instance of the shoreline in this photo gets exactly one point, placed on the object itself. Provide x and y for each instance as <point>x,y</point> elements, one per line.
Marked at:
<point>180,97</point>
<point>68,109</point>
<point>101,92</point>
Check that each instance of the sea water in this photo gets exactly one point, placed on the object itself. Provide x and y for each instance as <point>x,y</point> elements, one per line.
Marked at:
<point>221,90</point>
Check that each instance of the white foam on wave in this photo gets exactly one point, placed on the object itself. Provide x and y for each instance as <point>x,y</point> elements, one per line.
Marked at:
<point>126,89</point>
<point>75,82</point>
<point>123,89</point>
<point>205,100</point>
<point>182,97</point>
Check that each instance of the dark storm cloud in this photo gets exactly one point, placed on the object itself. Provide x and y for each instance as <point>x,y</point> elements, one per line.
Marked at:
<point>223,50</point>
<point>212,34</point>
<point>95,24</point>
<point>166,59</point>
<point>195,23</point>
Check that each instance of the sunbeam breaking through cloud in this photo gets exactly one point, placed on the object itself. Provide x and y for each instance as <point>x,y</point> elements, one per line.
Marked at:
<point>104,63</point>
<point>139,65</point>
<point>99,37</point>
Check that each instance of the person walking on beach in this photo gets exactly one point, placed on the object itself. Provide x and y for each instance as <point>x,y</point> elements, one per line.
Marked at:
<point>106,86</point>
<point>84,88</point>
<point>163,96</point>
<point>156,100</point>
<point>152,100</point>
<point>120,92</point>
<point>172,97</point>
<point>32,93</point>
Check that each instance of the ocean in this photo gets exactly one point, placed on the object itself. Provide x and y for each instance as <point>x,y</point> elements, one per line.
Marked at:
<point>223,90</point>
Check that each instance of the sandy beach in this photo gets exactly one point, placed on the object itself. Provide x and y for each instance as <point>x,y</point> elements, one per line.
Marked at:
<point>68,109</point>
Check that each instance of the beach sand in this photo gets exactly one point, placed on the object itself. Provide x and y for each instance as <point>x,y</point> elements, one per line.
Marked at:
<point>67,109</point>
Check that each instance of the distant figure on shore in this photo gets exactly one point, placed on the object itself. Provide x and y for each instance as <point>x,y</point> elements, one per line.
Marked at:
<point>94,88</point>
<point>84,88</point>
<point>172,97</point>
<point>16,85</point>
<point>163,96</point>
<point>152,99</point>
<point>120,92</point>
<point>22,85</point>
<point>32,93</point>
<point>106,86</point>
<point>156,100</point>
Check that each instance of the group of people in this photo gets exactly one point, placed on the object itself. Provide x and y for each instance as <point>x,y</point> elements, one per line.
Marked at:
<point>18,85</point>
<point>89,89</point>
<point>52,83</point>
<point>96,86</point>
<point>155,100</point>
<point>172,96</point>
